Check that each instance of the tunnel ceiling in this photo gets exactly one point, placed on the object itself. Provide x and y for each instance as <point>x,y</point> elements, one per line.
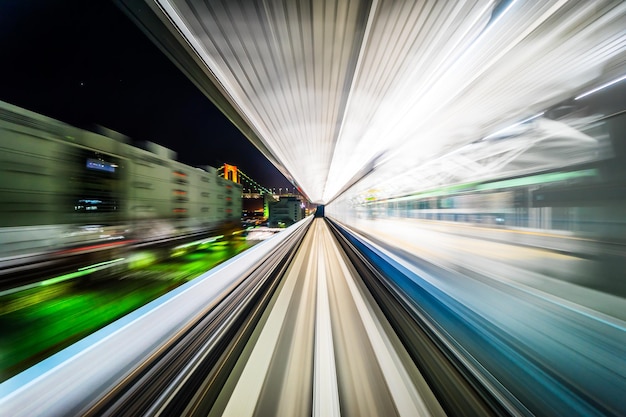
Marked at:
<point>331,90</point>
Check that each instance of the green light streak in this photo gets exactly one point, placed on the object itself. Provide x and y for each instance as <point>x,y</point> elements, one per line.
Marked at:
<point>101,264</point>
<point>62,278</point>
<point>86,270</point>
<point>198,242</point>
<point>537,179</point>
<point>213,239</point>
<point>141,259</point>
<point>494,185</point>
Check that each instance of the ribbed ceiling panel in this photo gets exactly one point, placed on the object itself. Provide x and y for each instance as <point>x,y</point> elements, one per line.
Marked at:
<point>333,86</point>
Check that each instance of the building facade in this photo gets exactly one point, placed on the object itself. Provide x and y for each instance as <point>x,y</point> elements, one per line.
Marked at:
<point>285,212</point>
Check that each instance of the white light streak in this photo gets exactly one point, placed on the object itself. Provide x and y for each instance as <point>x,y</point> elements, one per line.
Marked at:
<point>328,87</point>
<point>602,87</point>
<point>499,132</point>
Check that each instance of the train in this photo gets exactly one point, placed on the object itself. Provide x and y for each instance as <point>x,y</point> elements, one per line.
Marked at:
<point>577,201</point>
<point>66,187</point>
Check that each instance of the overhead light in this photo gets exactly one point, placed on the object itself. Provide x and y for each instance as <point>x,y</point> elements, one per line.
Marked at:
<point>499,132</point>
<point>602,87</point>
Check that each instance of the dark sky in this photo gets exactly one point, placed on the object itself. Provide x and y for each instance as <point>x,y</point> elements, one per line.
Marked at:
<point>85,63</point>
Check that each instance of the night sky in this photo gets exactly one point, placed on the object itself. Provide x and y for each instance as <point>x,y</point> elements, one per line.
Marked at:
<point>85,63</point>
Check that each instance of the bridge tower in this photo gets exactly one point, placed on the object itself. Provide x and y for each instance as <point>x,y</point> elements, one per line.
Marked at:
<point>231,173</point>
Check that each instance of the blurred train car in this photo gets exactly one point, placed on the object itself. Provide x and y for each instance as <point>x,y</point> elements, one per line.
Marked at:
<point>587,200</point>
<point>63,187</point>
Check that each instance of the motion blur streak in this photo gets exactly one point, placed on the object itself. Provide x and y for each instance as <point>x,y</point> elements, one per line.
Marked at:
<point>374,374</point>
<point>471,161</point>
<point>325,397</point>
<point>528,316</point>
<point>384,324</point>
<point>72,380</point>
<point>324,89</point>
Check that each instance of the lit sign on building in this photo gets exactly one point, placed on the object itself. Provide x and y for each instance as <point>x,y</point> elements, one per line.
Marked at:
<point>99,165</point>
